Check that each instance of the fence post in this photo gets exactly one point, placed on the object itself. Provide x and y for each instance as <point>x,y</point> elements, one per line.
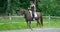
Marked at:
<point>49,19</point>
<point>10,17</point>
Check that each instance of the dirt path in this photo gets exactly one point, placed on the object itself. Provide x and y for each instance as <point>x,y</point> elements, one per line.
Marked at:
<point>35,30</point>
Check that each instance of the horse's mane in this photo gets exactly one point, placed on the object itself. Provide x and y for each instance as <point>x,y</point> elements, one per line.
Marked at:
<point>24,9</point>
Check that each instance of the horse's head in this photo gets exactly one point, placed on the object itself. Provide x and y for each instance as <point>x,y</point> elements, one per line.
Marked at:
<point>22,11</point>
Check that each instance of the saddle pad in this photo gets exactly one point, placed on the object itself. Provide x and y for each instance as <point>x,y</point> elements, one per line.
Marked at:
<point>30,13</point>
<point>35,14</point>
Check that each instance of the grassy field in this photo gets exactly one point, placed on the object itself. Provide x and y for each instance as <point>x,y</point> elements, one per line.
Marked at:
<point>19,23</point>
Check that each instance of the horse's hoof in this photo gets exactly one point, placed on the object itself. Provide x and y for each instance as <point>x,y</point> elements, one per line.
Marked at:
<point>31,29</point>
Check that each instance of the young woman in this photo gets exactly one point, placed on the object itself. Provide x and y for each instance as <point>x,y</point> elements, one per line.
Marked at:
<point>32,6</point>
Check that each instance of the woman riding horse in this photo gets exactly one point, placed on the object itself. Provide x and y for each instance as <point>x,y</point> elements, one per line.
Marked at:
<point>32,7</point>
<point>28,17</point>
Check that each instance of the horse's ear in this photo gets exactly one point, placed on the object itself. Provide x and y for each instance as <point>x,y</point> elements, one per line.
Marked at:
<point>20,8</point>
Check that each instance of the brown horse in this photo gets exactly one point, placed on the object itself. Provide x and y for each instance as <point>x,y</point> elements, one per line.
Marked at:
<point>28,17</point>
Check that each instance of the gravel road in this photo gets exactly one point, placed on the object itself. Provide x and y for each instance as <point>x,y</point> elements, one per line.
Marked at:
<point>35,30</point>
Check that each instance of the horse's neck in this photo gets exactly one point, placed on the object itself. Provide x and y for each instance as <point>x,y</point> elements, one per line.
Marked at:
<point>26,12</point>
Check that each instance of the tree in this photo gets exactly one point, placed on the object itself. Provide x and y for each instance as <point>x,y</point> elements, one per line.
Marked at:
<point>3,6</point>
<point>48,7</point>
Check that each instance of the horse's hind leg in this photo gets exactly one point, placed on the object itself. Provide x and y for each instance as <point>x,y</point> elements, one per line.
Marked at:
<point>37,22</point>
<point>41,21</point>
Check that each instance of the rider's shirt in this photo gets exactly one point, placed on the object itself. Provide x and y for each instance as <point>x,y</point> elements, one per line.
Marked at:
<point>32,7</point>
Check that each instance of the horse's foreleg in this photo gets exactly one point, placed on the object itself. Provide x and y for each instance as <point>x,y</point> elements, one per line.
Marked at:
<point>29,24</point>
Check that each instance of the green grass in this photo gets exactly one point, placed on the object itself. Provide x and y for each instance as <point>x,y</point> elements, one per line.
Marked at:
<point>5,24</point>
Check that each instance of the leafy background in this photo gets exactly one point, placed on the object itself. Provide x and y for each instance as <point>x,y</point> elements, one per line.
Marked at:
<point>48,7</point>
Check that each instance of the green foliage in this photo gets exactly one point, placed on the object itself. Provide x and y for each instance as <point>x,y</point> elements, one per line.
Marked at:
<point>3,5</point>
<point>48,7</point>
<point>17,4</point>
<point>24,3</point>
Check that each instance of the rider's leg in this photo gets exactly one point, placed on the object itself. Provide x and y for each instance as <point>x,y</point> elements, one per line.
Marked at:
<point>33,14</point>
